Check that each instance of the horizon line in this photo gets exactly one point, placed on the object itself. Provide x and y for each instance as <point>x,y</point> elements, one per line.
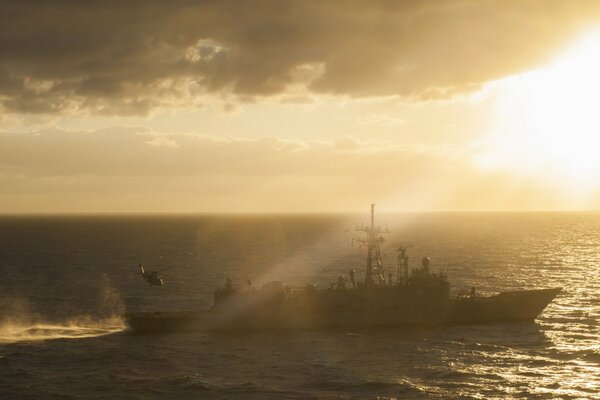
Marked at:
<point>238,213</point>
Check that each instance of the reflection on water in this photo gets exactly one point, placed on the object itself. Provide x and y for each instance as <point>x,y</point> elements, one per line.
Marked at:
<point>56,267</point>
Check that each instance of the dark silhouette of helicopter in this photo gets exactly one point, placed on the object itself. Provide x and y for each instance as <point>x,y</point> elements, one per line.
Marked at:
<point>152,277</point>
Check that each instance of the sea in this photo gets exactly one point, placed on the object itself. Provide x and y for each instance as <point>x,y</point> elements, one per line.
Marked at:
<point>65,282</point>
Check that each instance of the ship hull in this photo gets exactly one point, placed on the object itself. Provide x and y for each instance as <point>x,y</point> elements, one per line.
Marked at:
<point>507,306</point>
<point>523,305</point>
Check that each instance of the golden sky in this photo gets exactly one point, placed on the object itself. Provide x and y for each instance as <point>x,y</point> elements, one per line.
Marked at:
<point>299,106</point>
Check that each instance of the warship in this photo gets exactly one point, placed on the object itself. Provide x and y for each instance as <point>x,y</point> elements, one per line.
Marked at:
<point>419,297</point>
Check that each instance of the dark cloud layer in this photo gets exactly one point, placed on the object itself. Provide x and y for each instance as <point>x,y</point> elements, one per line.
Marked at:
<point>128,57</point>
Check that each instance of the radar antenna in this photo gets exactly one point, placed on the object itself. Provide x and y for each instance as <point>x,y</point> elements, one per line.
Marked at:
<point>402,270</point>
<point>373,240</point>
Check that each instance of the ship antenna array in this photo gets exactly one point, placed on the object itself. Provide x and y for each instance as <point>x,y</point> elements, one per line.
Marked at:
<point>373,239</point>
<point>402,269</point>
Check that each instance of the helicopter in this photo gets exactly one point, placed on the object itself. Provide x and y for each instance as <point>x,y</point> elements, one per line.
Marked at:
<point>152,277</point>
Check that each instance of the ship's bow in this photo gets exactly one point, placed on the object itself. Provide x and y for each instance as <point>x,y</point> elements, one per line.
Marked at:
<point>523,305</point>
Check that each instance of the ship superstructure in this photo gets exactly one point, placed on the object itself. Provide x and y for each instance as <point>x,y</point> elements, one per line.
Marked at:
<point>374,272</point>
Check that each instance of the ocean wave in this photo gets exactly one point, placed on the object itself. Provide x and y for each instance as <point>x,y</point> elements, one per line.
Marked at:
<point>381,387</point>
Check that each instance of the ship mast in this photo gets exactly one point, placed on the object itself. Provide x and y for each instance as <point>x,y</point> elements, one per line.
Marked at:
<point>374,238</point>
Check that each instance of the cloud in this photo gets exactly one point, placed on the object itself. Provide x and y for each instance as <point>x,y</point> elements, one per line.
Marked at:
<point>137,170</point>
<point>131,151</point>
<point>381,120</point>
<point>344,143</point>
<point>132,57</point>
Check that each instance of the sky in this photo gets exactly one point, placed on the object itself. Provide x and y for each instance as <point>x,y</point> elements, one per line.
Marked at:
<point>298,106</point>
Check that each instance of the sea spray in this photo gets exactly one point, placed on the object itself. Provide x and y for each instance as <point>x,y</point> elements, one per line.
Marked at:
<point>19,323</point>
<point>110,305</point>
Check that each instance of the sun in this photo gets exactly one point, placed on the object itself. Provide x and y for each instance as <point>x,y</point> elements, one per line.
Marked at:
<point>547,121</point>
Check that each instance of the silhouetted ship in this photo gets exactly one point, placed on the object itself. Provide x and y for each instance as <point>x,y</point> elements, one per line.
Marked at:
<point>418,298</point>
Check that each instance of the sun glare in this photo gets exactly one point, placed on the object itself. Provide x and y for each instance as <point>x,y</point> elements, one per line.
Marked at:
<point>548,121</point>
